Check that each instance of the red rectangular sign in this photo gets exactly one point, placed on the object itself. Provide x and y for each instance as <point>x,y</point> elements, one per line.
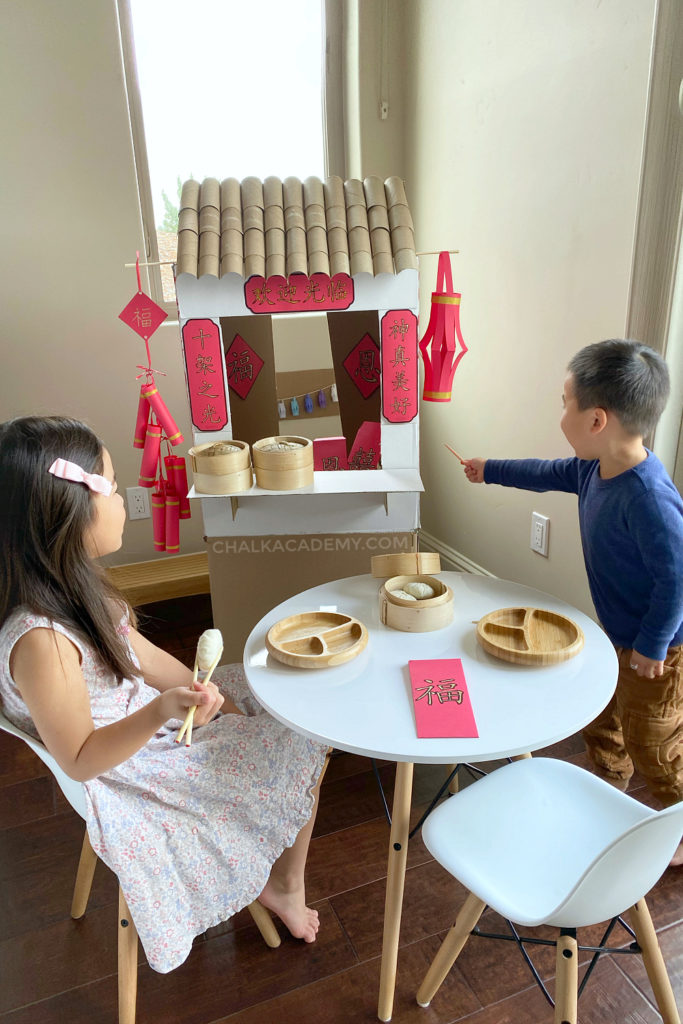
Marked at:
<point>204,364</point>
<point>399,366</point>
<point>298,293</point>
<point>440,698</point>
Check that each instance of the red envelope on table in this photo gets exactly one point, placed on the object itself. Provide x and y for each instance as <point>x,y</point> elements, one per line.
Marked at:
<point>441,699</point>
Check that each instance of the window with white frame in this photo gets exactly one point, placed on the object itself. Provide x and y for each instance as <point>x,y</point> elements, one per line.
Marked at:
<point>219,88</point>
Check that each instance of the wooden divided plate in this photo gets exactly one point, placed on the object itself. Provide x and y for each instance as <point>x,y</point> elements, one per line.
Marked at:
<point>529,636</point>
<point>316,639</point>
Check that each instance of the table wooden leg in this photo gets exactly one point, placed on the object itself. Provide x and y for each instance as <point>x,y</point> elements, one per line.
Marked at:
<point>398,852</point>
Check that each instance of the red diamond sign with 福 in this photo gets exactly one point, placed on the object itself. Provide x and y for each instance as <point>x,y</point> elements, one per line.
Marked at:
<point>143,315</point>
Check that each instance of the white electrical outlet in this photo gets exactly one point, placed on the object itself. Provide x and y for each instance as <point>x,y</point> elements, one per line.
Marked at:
<point>540,527</point>
<point>138,502</point>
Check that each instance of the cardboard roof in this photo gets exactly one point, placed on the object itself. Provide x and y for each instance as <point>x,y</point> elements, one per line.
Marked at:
<point>276,227</point>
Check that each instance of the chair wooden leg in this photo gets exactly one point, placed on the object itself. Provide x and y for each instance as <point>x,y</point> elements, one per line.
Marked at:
<point>84,877</point>
<point>566,980</point>
<point>264,923</point>
<point>454,784</point>
<point>449,950</point>
<point>128,963</point>
<point>520,757</point>
<point>641,922</point>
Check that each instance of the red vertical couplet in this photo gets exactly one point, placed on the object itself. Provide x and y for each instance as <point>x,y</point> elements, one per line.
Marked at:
<point>170,427</point>
<point>176,474</point>
<point>141,422</point>
<point>172,525</point>
<point>150,456</point>
<point>204,366</point>
<point>399,366</point>
<point>159,520</point>
<point>443,331</point>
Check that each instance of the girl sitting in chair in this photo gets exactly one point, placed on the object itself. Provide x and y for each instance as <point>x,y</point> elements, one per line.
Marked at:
<point>193,833</point>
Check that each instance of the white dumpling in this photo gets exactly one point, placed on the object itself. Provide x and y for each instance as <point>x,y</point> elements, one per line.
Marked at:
<point>403,595</point>
<point>420,591</point>
<point>209,648</point>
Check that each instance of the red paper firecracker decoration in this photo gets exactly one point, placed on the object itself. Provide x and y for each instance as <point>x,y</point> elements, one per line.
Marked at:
<point>154,423</point>
<point>150,456</point>
<point>159,520</point>
<point>170,427</point>
<point>176,474</point>
<point>443,331</point>
<point>141,423</point>
<point>172,521</point>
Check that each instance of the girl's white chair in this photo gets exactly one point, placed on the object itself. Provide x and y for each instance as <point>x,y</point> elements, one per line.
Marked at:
<point>128,936</point>
<point>542,841</point>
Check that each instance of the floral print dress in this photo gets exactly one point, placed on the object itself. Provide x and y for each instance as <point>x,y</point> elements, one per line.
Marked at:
<point>191,832</point>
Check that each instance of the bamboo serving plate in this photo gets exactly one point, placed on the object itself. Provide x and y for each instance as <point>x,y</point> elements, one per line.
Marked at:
<point>316,639</point>
<point>529,636</point>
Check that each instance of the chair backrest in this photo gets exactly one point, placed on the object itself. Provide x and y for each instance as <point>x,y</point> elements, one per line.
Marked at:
<point>623,872</point>
<point>72,790</point>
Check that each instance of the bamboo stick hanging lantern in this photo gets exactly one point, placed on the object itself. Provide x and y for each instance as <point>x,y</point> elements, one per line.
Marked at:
<point>442,346</point>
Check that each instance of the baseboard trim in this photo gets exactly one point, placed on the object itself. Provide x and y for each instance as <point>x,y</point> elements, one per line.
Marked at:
<point>453,559</point>
<point>162,579</point>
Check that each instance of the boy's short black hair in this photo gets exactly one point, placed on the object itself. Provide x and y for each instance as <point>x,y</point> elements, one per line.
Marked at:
<point>625,378</point>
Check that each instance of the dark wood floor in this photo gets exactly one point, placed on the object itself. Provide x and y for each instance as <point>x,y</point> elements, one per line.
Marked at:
<point>53,969</point>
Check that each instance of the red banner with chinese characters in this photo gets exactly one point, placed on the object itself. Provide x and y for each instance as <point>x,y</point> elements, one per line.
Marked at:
<point>204,366</point>
<point>243,366</point>
<point>399,366</point>
<point>298,293</point>
<point>366,450</point>
<point>329,454</point>
<point>362,366</point>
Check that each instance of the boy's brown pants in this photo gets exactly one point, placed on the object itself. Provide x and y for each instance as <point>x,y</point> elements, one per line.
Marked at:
<point>642,728</point>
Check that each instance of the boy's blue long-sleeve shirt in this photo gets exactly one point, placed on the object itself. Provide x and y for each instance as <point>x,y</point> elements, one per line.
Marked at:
<point>632,536</point>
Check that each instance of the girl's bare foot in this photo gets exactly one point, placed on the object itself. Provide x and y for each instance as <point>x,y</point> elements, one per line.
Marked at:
<point>677,859</point>
<point>290,907</point>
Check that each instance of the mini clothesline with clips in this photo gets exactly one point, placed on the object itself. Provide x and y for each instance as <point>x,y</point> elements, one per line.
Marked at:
<point>306,400</point>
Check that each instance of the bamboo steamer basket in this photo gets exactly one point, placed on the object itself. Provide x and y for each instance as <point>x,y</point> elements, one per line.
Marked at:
<point>218,472</point>
<point>415,616</point>
<point>285,470</point>
<point>405,563</point>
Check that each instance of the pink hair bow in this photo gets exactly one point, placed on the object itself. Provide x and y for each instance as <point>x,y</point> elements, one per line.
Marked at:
<point>70,471</point>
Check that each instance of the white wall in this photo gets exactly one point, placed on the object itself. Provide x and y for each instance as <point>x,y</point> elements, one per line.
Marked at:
<point>517,125</point>
<point>70,222</point>
<point>524,132</point>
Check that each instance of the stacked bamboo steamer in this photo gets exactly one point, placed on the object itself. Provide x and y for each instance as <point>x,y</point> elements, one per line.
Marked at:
<point>221,467</point>
<point>412,615</point>
<point>283,463</point>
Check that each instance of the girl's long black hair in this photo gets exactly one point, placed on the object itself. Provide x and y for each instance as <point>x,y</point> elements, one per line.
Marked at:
<point>44,565</point>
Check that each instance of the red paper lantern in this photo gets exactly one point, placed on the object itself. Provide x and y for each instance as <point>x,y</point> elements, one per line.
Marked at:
<point>443,331</point>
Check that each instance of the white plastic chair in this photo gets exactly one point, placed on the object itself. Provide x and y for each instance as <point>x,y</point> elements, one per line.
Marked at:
<point>542,841</point>
<point>128,936</point>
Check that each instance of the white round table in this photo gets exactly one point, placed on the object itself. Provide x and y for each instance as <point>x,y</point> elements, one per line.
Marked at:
<point>365,706</point>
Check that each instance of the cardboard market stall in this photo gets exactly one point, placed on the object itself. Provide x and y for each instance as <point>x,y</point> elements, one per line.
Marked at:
<point>251,254</point>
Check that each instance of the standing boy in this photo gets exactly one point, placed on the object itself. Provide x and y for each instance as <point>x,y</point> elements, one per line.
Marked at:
<point>631,520</point>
